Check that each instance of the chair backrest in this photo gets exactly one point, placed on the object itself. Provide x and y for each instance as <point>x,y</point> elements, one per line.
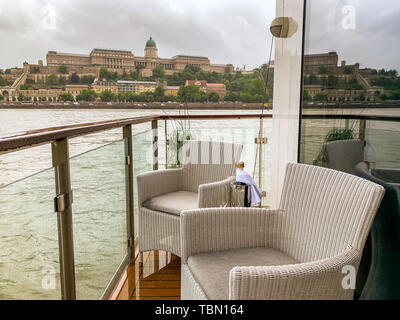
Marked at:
<point>326,212</point>
<point>208,161</point>
<point>383,281</point>
<point>344,155</point>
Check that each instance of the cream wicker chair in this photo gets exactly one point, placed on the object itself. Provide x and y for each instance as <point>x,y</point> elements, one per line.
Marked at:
<point>204,180</point>
<point>344,155</point>
<point>296,252</point>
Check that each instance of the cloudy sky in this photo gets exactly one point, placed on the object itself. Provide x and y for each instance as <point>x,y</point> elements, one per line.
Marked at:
<point>363,31</point>
<point>227,31</point>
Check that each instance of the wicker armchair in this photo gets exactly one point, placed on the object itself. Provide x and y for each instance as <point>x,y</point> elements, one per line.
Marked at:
<point>344,155</point>
<point>204,180</point>
<point>295,252</point>
<point>381,256</point>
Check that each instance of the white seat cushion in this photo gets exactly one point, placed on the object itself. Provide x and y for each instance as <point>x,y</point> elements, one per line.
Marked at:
<point>174,202</point>
<point>211,270</point>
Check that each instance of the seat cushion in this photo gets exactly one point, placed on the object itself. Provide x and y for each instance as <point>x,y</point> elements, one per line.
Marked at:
<point>211,270</point>
<point>174,202</point>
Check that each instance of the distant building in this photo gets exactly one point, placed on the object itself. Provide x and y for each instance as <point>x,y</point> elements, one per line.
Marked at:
<point>219,88</point>
<point>100,86</point>
<point>172,91</point>
<point>201,83</point>
<point>75,89</point>
<point>208,88</point>
<point>41,94</point>
<point>312,62</point>
<point>124,61</point>
<point>136,86</point>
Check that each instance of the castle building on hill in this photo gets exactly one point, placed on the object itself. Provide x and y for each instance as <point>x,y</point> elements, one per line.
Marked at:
<point>124,61</point>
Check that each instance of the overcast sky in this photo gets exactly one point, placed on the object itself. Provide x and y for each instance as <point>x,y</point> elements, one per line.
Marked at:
<point>226,31</point>
<point>372,39</point>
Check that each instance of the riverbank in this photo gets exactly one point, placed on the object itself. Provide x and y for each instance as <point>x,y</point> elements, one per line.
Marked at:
<point>142,106</point>
<point>189,106</point>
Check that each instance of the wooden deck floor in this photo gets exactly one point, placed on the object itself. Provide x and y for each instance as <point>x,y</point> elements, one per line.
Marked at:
<point>158,279</point>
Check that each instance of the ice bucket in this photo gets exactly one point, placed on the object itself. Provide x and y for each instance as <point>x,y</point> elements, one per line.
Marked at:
<point>240,194</point>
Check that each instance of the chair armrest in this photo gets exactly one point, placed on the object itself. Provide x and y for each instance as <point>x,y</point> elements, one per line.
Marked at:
<point>210,230</point>
<point>155,183</point>
<point>215,194</point>
<point>319,280</point>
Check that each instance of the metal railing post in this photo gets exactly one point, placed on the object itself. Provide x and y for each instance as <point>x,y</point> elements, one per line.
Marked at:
<point>154,127</point>
<point>361,132</point>
<point>260,158</point>
<point>166,143</point>
<point>63,207</point>
<point>129,186</point>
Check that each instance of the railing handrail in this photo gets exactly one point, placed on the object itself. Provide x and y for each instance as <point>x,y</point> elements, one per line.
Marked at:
<point>351,117</point>
<point>38,137</point>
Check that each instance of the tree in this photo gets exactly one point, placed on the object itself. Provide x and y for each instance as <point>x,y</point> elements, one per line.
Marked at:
<point>1,97</point>
<point>74,78</point>
<point>66,96</point>
<point>203,96</point>
<point>306,96</point>
<point>348,70</point>
<point>103,74</point>
<point>190,93</point>
<point>134,75</point>
<point>21,97</point>
<point>170,97</point>
<point>254,91</point>
<point>25,87</point>
<point>231,96</point>
<point>158,72</point>
<point>138,69</point>
<point>62,80</point>
<point>320,97</point>
<point>322,69</point>
<point>159,93</point>
<point>361,97</point>
<point>4,82</point>
<point>52,79</point>
<point>8,71</point>
<point>213,97</point>
<point>107,96</point>
<point>87,79</point>
<point>63,69</point>
<point>87,95</point>
<point>333,81</point>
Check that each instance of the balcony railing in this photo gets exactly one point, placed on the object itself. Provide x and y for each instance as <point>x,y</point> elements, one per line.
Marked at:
<point>69,231</point>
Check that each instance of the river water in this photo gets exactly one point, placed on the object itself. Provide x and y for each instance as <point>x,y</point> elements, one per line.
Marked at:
<point>29,266</point>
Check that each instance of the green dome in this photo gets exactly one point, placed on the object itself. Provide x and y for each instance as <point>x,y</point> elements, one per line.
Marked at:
<point>151,43</point>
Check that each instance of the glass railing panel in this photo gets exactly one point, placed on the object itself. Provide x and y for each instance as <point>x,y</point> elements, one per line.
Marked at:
<point>242,131</point>
<point>29,261</point>
<point>316,132</point>
<point>383,143</point>
<point>142,162</point>
<point>99,217</point>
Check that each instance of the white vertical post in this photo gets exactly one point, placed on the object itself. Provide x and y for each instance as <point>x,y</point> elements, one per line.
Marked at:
<point>287,89</point>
